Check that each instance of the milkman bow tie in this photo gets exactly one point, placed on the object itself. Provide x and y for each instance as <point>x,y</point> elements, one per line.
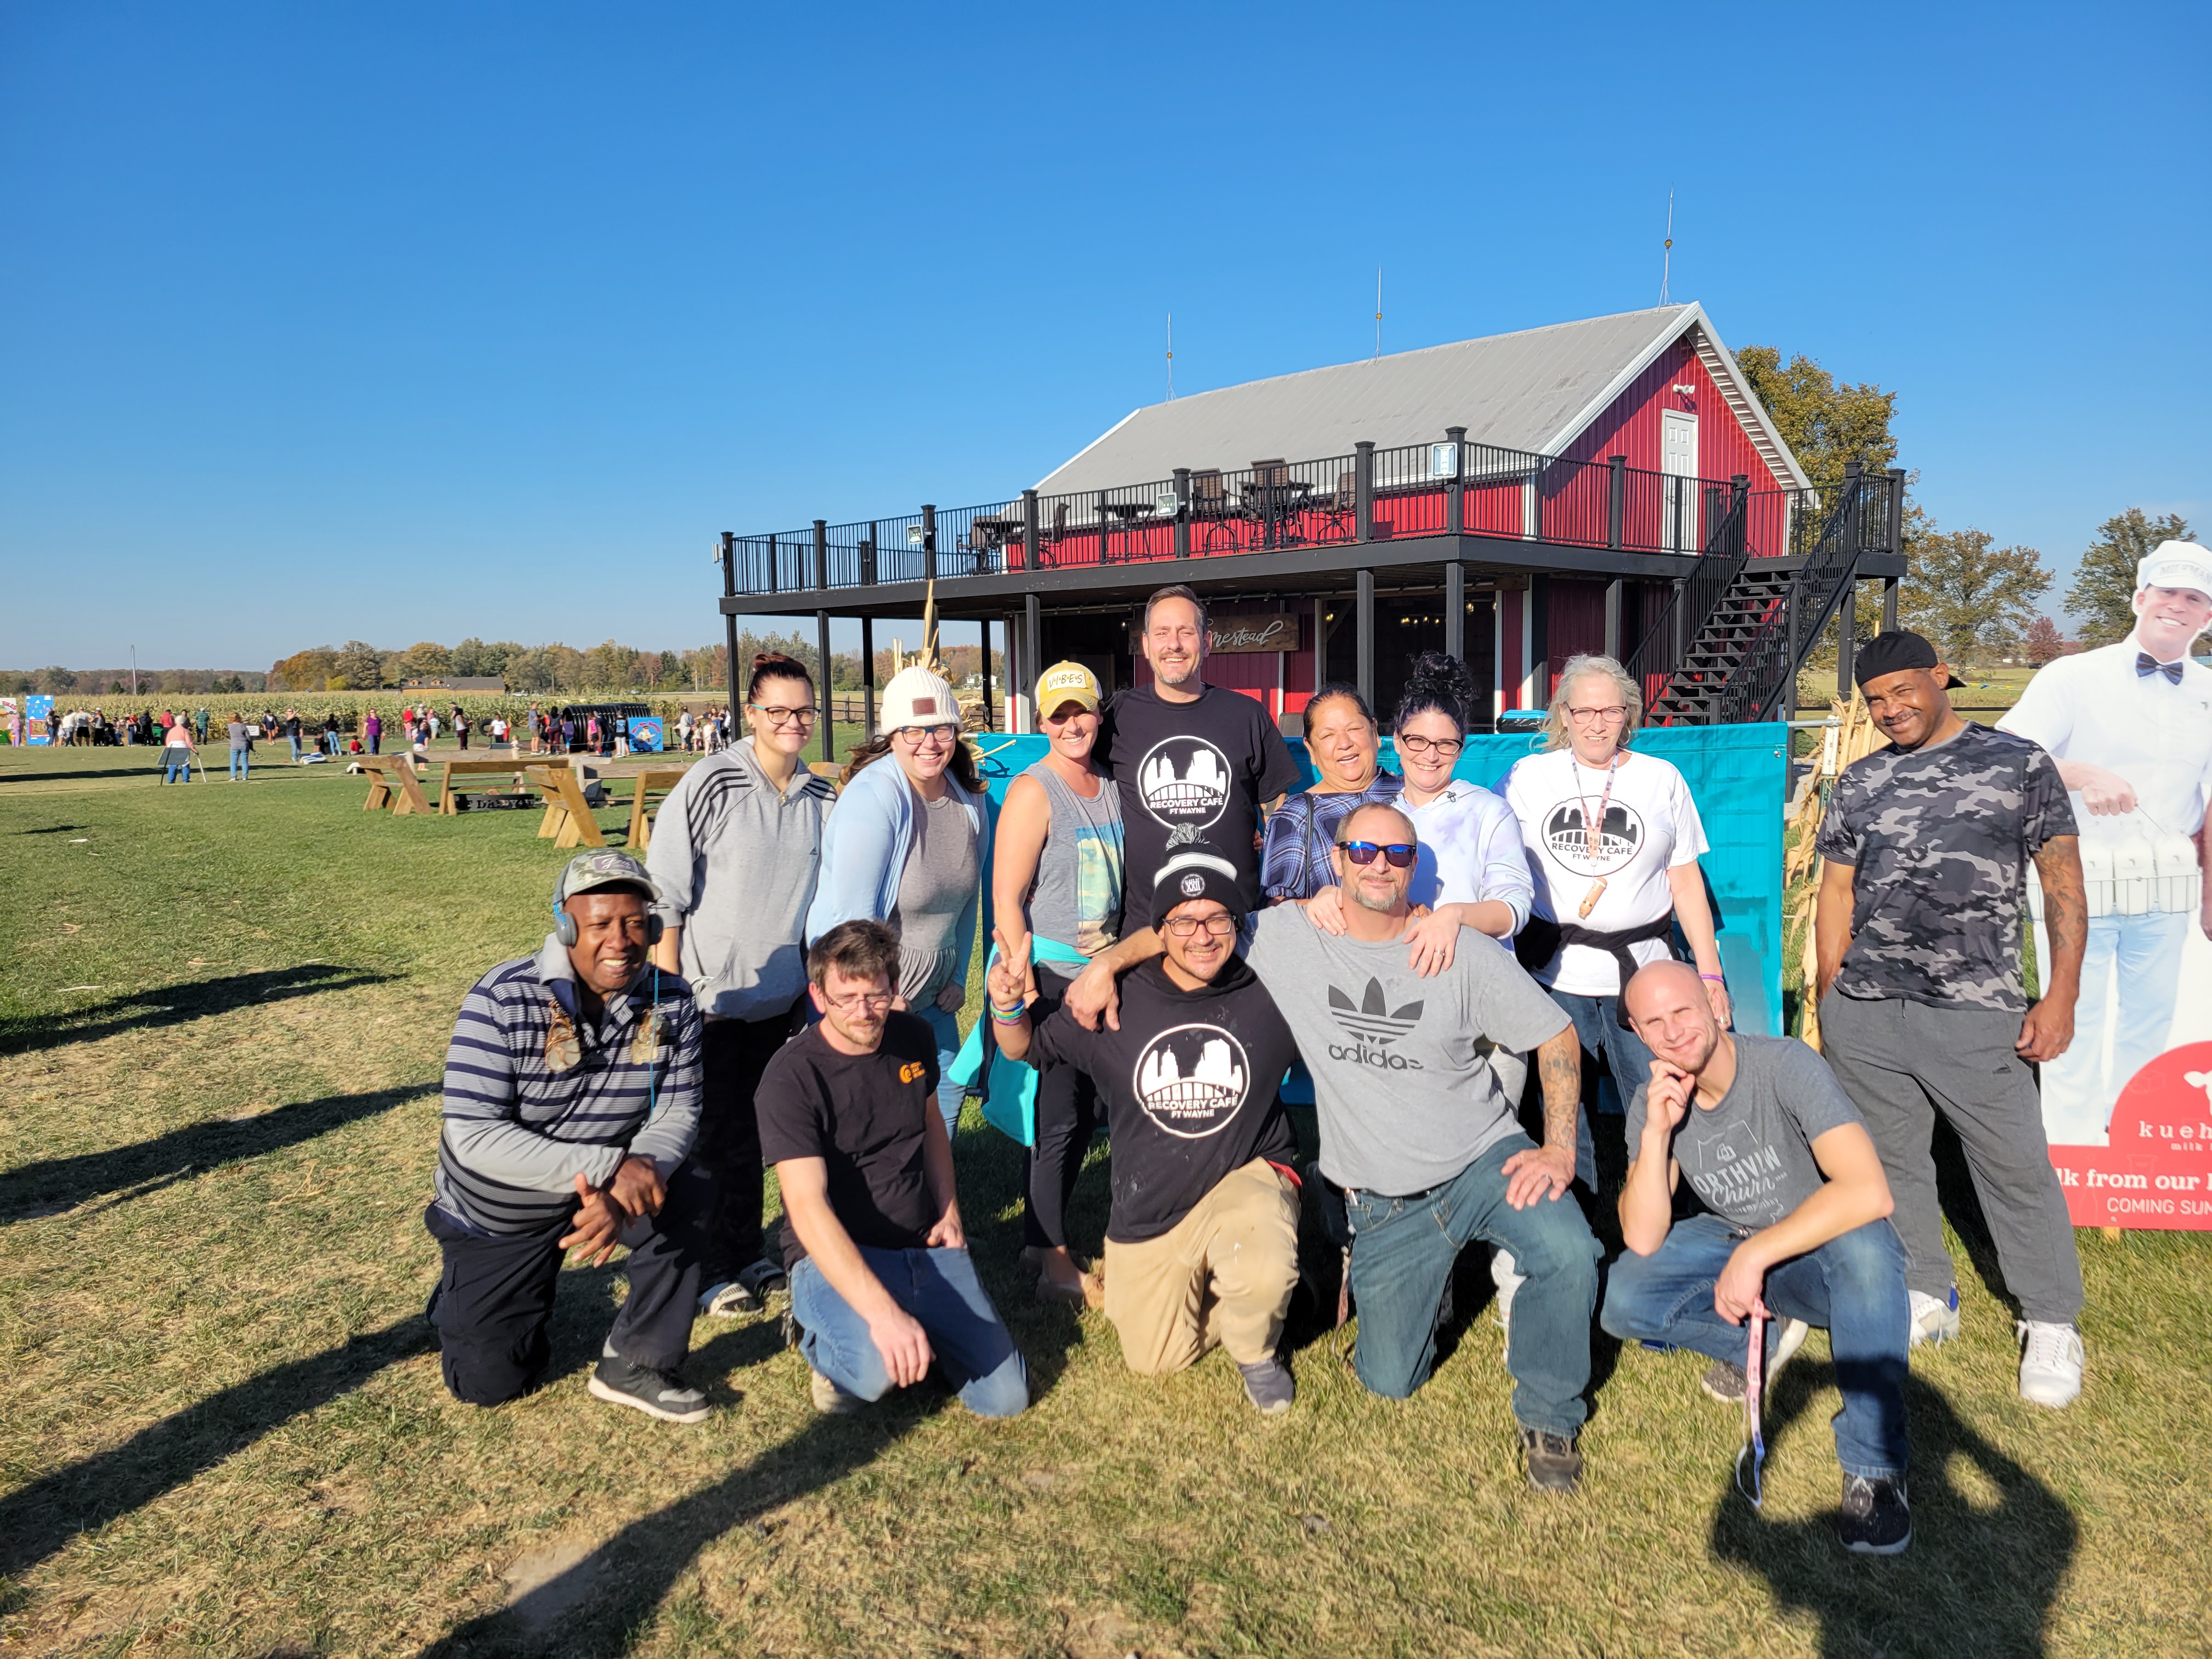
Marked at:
<point>2147,666</point>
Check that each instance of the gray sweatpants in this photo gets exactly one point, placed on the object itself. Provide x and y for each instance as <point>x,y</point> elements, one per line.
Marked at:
<point>1900,1062</point>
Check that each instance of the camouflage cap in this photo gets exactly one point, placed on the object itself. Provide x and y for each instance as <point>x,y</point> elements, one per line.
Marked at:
<point>588,872</point>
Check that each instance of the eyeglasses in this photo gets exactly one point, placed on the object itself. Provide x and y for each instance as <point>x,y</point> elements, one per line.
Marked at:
<point>1447,747</point>
<point>1401,854</point>
<point>857,1000</point>
<point>1187,927</point>
<point>1590,716</point>
<point>779,716</point>
<point>919,735</point>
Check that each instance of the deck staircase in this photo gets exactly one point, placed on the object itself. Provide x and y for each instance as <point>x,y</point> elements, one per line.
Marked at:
<point>1727,648</point>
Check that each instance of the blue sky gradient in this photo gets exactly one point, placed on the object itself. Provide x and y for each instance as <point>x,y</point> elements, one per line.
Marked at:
<point>404,322</point>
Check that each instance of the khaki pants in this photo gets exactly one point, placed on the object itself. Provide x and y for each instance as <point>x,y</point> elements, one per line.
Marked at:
<point>1225,1273</point>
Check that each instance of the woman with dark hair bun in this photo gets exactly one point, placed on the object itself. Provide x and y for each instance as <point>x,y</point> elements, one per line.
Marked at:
<point>1343,742</point>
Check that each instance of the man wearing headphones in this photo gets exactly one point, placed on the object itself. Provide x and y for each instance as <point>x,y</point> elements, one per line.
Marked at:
<point>571,1102</point>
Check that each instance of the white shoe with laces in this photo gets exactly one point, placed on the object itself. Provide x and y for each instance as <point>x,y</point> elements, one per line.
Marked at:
<point>1935,1318</point>
<point>2050,1362</point>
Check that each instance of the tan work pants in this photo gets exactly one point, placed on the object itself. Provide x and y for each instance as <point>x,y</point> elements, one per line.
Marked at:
<point>1225,1273</point>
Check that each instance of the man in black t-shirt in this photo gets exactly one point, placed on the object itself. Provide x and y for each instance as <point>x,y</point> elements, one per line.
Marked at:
<point>1193,763</point>
<point>1202,1240</point>
<point>881,1283</point>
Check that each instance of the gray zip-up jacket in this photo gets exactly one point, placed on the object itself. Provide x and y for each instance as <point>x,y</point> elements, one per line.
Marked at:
<point>736,862</point>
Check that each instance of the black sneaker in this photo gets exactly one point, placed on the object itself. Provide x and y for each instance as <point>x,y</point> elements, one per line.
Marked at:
<point>1874,1520</point>
<point>657,1394</point>
<point>1554,1464</point>
<point>1268,1386</point>
<point>748,1293</point>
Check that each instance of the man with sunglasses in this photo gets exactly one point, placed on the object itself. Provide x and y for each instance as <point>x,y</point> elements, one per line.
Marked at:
<point>1418,1131</point>
<point>1202,1239</point>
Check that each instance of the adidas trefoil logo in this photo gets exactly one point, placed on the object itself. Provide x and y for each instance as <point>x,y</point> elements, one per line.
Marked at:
<point>1373,1026</point>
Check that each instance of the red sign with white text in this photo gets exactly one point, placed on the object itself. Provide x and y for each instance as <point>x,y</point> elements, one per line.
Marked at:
<point>2156,1171</point>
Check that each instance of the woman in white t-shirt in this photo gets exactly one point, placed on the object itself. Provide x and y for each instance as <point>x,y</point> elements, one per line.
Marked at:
<point>1612,840</point>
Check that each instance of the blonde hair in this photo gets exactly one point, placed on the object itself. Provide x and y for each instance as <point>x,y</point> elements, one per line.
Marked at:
<point>1582,666</point>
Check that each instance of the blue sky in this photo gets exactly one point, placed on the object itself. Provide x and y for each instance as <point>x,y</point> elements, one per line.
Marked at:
<point>404,322</point>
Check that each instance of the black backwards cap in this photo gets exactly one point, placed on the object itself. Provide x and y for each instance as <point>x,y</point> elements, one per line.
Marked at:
<point>1890,653</point>
<point>1198,872</point>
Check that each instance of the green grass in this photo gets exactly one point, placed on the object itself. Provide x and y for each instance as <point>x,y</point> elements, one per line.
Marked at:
<point>221,1430</point>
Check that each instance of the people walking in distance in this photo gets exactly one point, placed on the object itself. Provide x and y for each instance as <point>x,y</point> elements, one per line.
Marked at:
<point>1056,892</point>
<point>178,753</point>
<point>1344,743</point>
<point>241,748</point>
<point>1796,1222</point>
<point>882,1286</point>
<point>910,845</point>
<point>1917,939</point>
<point>371,730</point>
<point>736,850</point>
<point>571,1100</point>
<point>1202,1238</point>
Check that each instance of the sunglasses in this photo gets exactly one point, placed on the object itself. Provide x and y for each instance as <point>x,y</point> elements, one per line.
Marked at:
<point>1401,854</point>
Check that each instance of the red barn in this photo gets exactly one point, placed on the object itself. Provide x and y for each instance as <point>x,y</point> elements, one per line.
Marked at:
<point>1607,485</point>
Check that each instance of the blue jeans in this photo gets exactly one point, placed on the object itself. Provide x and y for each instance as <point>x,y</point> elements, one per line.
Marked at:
<point>1853,1285</point>
<point>295,750</point>
<point>949,1095</point>
<point>238,757</point>
<point>939,1290</point>
<point>1402,1251</point>
<point>178,770</point>
<point>1601,1032</point>
<point>2078,1092</point>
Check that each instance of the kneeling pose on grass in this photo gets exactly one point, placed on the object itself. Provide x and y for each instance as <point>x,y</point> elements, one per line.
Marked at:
<point>881,1283</point>
<point>1202,1239</point>
<point>571,1099</point>
<point>1799,1225</point>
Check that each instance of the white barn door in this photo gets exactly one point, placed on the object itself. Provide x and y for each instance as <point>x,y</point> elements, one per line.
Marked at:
<point>1678,459</point>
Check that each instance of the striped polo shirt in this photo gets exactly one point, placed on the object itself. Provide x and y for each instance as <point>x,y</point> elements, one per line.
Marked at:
<point>518,1130</point>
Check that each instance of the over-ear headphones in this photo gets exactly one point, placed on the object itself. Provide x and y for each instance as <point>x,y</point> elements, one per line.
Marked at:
<point>564,925</point>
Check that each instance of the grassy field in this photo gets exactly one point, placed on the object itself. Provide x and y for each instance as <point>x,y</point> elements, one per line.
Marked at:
<point>221,1429</point>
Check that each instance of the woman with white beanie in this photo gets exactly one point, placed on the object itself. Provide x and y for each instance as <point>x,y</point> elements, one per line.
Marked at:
<point>910,844</point>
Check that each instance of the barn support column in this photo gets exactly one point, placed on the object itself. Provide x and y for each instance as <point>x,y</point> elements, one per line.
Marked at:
<point>1889,605</point>
<point>983,628</point>
<point>1032,643</point>
<point>730,623</point>
<point>1612,619</point>
<point>867,678</point>
<point>1455,609</point>
<point>1847,624</point>
<point>1364,625</point>
<point>829,725</point>
<point>1539,652</point>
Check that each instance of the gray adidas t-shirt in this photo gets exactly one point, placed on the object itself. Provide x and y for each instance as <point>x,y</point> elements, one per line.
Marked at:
<point>1400,1064</point>
<point>1750,1158</point>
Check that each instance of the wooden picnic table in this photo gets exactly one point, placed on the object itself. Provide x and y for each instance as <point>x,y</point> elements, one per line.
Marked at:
<point>448,803</point>
<point>567,821</point>
<point>662,779</point>
<point>392,781</point>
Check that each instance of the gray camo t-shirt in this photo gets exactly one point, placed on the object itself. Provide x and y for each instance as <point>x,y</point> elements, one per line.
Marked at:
<point>1750,1158</point>
<point>1402,1077</point>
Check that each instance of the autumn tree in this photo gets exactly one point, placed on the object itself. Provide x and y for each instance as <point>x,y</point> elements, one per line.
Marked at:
<point>360,664</point>
<point>1969,596</point>
<point>304,670</point>
<point>2043,642</point>
<point>2103,594</point>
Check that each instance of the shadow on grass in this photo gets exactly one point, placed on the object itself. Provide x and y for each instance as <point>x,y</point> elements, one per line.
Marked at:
<point>1982,1573</point>
<point>54,829</point>
<point>40,1518</point>
<point>62,1183</point>
<point>173,1004</point>
<point>150,769</point>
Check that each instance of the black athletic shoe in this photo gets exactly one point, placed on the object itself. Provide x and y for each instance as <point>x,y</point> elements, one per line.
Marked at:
<point>1554,1464</point>
<point>657,1394</point>
<point>1875,1521</point>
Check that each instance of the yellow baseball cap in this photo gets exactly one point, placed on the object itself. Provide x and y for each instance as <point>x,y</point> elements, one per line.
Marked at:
<point>1065,683</point>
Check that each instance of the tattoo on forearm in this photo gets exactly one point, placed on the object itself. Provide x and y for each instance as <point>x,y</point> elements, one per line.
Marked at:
<point>1559,1071</point>
<point>2065,906</point>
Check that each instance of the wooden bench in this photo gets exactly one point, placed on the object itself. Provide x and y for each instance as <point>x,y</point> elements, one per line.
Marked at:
<point>392,780</point>
<point>448,803</point>
<point>567,821</point>
<point>659,778</point>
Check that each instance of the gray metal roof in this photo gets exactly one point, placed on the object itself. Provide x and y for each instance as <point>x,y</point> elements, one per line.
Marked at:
<point>1534,390</point>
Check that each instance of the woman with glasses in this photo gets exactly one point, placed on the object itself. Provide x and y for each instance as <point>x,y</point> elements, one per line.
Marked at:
<point>736,850</point>
<point>910,845</point>
<point>1344,743</point>
<point>1057,876</point>
<point>1613,839</point>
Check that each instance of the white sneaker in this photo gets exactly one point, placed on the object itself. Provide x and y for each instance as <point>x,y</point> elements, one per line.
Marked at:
<point>1786,1343</point>
<point>2050,1362</point>
<point>1509,1280</point>
<point>1934,1319</point>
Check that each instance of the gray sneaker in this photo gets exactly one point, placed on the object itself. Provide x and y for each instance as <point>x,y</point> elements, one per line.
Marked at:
<point>1725,1380</point>
<point>1268,1386</point>
<point>748,1293</point>
<point>657,1394</point>
<point>1554,1463</point>
<point>831,1400</point>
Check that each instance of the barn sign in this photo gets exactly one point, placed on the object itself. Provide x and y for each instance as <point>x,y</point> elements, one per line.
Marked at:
<point>1278,631</point>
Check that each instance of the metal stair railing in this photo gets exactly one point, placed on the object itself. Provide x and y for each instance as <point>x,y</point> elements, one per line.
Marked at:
<point>1683,617</point>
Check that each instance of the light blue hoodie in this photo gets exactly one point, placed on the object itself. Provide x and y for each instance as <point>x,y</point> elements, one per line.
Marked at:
<point>864,849</point>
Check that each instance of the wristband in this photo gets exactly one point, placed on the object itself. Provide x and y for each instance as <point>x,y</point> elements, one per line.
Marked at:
<point>1715,979</point>
<point>1020,1012</point>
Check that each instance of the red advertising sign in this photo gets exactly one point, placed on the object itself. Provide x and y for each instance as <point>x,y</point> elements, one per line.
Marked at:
<point>2156,1171</point>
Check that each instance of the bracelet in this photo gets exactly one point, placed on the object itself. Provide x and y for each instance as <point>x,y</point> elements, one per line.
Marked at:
<point>1715,979</point>
<point>1019,1013</point>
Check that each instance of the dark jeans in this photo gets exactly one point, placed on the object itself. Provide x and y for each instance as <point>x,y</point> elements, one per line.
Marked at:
<point>939,1291</point>
<point>728,1149</point>
<point>495,1295</point>
<point>1853,1286</point>
<point>1402,1252</point>
<point>1599,1031</point>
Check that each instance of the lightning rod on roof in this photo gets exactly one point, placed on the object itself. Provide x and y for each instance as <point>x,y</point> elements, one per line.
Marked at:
<point>1666,249</point>
<point>1379,313</point>
<point>1170,356</point>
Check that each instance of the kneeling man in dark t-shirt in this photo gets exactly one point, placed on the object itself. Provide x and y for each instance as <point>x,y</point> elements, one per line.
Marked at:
<point>1202,1240</point>
<point>1799,1224</point>
<point>881,1284</point>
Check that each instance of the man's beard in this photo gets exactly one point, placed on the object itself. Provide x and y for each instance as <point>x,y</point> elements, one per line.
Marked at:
<point>1189,673</point>
<point>1367,901</point>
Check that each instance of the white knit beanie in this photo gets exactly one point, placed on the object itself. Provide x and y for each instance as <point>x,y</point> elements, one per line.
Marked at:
<point>917,697</point>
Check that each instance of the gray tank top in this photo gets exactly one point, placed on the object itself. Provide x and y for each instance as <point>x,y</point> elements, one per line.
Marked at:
<point>936,885</point>
<point>1076,897</point>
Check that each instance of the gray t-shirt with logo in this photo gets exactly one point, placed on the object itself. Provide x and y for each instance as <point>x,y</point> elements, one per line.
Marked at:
<point>1401,1065</point>
<point>1750,1158</point>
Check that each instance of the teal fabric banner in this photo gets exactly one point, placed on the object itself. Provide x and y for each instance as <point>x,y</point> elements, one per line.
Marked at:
<point>1736,774</point>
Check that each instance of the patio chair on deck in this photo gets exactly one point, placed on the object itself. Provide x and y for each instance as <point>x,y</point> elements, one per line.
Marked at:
<point>1340,510</point>
<point>1212,512</point>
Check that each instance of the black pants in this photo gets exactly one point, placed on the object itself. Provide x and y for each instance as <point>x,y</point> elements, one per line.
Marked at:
<point>728,1148</point>
<point>1068,1113</point>
<point>495,1296</point>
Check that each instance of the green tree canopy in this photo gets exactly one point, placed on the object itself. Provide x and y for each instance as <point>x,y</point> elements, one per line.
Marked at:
<point>2103,594</point>
<point>1970,598</point>
<point>1826,424</point>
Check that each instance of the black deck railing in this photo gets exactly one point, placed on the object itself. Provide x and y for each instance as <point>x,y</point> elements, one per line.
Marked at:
<point>1374,494</point>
